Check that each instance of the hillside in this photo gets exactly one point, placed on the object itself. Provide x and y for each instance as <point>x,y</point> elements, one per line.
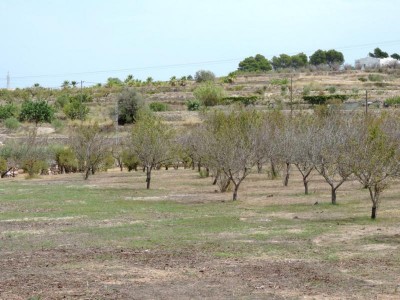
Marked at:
<point>271,89</point>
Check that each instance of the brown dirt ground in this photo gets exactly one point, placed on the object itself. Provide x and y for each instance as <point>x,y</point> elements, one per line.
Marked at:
<point>65,272</point>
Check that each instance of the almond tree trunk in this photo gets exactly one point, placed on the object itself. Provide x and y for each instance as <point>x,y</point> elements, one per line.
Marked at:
<point>87,173</point>
<point>305,182</point>
<point>375,200</point>
<point>235,192</point>
<point>274,173</point>
<point>333,197</point>
<point>148,177</point>
<point>286,181</point>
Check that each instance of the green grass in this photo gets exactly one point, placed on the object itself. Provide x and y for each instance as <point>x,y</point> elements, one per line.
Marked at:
<point>100,216</point>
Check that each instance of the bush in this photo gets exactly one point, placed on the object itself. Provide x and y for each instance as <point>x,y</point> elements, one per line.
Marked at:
<point>204,76</point>
<point>66,160</point>
<point>129,103</point>
<point>158,106</point>
<point>392,101</point>
<point>75,109</point>
<point>306,90</point>
<point>8,111</point>
<point>130,160</point>
<point>331,89</point>
<point>209,94</point>
<point>3,165</point>
<point>11,123</point>
<point>362,79</point>
<point>375,77</point>
<point>193,105</point>
<point>279,81</point>
<point>34,167</point>
<point>322,99</point>
<point>107,163</point>
<point>58,125</point>
<point>61,101</point>
<point>249,100</point>
<point>36,111</point>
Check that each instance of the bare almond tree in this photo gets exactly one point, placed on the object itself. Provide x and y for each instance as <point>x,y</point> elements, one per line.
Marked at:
<point>268,146</point>
<point>231,144</point>
<point>376,158</point>
<point>285,151</point>
<point>91,147</point>
<point>304,132</point>
<point>151,143</point>
<point>331,146</point>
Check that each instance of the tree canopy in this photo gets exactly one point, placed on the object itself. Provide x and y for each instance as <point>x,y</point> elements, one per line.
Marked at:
<point>378,53</point>
<point>286,61</point>
<point>255,64</point>
<point>330,57</point>
<point>395,56</point>
<point>204,76</point>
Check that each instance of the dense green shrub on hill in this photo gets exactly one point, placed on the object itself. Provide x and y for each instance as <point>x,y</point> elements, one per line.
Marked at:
<point>8,110</point>
<point>209,94</point>
<point>75,109</point>
<point>193,105</point>
<point>37,111</point>
<point>245,100</point>
<point>322,99</point>
<point>129,103</point>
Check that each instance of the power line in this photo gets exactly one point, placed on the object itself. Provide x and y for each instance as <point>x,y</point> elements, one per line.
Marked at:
<point>211,62</point>
<point>125,70</point>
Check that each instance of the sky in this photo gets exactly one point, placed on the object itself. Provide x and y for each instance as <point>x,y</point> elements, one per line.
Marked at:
<point>49,41</point>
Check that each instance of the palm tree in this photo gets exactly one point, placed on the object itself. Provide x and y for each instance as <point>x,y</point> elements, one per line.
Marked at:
<point>65,84</point>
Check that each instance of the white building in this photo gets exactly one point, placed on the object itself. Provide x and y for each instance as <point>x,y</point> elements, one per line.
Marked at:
<point>373,63</point>
<point>367,63</point>
<point>389,62</point>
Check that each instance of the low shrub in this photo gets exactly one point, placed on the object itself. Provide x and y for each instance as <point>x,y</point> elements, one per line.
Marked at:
<point>209,94</point>
<point>392,101</point>
<point>158,106</point>
<point>76,110</point>
<point>375,77</point>
<point>245,100</point>
<point>331,89</point>
<point>58,125</point>
<point>322,99</point>
<point>193,105</point>
<point>8,110</point>
<point>279,81</point>
<point>11,123</point>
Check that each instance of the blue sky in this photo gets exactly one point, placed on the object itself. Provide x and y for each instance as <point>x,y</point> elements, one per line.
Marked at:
<point>49,41</point>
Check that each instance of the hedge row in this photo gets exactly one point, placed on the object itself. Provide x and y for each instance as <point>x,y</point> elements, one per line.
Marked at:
<point>322,99</point>
<point>245,100</point>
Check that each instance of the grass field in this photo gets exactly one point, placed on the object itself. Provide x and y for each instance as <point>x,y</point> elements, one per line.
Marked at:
<point>110,238</point>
